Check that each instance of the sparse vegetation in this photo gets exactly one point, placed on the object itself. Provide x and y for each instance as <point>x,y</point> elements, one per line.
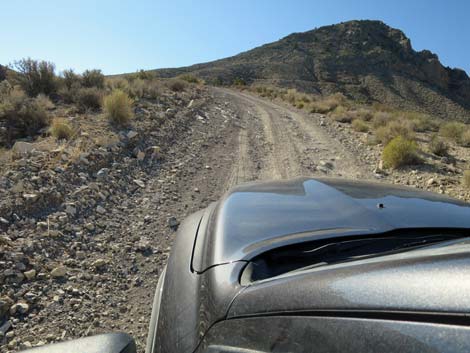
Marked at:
<point>452,130</point>
<point>189,78</point>
<point>360,125</point>
<point>438,146</point>
<point>466,179</point>
<point>118,107</point>
<point>400,152</point>
<point>465,138</point>
<point>61,129</point>
<point>177,85</point>
<point>393,129</point>
<point>341,114</point>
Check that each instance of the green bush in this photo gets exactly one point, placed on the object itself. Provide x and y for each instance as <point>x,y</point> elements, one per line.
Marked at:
<point>70,79</point>
<point>393,129</point>
<point>118,107</point>
<point>61,129</point>
<point>452,130</point>
<point>437,146</point>
<point>466,179</point>
<point>93,78</point>
<point>21,116</point>
<point>88,98</point>
<point>360,125</point>
<point>36,77</point>
<point>400,152</point>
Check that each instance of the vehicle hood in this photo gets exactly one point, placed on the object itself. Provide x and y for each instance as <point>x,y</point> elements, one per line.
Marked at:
<point>257,217</point>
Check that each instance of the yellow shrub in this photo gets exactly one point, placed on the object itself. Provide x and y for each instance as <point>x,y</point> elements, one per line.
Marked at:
<point>61,129</point>
<point>400,152</point>
<point>118,107</point>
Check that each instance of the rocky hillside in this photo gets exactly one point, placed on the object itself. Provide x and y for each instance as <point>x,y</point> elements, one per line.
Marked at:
<point>366,60</point>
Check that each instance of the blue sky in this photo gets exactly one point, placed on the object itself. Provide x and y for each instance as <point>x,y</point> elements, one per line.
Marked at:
<point>123,36</point>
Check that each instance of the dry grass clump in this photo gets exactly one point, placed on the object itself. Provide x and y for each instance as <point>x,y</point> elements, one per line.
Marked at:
<point>61,129</point>
<point>400,152</point>
<point>190,78</point>
<point>89,98</point>
<point>364,114</point>
<point>341,115</point>
<point>465,138</point>
<point>466,179</point>
<point>393,129</point>
<point>438,146</point>
<point>118,107</point>
<point>328,104</point>
<point>420,122</point>
<point>177,85</point>
<point>359,125</point>
<point>452,130</point>
<point>381,119</point>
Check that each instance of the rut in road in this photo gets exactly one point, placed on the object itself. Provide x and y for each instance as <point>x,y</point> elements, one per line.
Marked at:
<point>276,142</point>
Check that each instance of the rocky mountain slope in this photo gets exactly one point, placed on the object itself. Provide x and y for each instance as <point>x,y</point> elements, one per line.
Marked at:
<point>366,60</point>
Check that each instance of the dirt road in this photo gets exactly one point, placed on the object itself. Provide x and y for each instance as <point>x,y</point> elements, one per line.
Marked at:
<point>241,138</point>
<point>235,138</point>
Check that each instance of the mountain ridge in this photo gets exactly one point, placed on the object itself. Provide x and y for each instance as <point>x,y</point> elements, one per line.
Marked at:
<point>365,59</point>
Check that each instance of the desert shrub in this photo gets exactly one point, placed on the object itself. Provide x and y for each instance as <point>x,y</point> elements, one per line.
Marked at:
<point>360,125</point>
<point>137,88</point>
<point>381,119</point>
<point>239,82</point>
<point>438,146</point>
<point>465,138</point>
<point>144,75</point>
<point>117,83</point>
<point>393,129</point>
<point>452,130</point>
<point>61,129</point>
<point>189,78</point>
<point>154,89</point>
<point>93,78</point>
<point>177,85</point>
<point>21,115</point>
<point>5,89</point>
<point>420,122</point>
<point>400,152</point>
<point>88,98</point>
<point>300,105</point>
<point>36,77</point>
<point>71,79</point>
<point>118,107</point>
<point>3,73</point>
<point>45,102</point>
<point>466,179</point>
<point>364,114</point>
<point>328,104</point>
<point>291,95</point>
<point>341,114</point>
